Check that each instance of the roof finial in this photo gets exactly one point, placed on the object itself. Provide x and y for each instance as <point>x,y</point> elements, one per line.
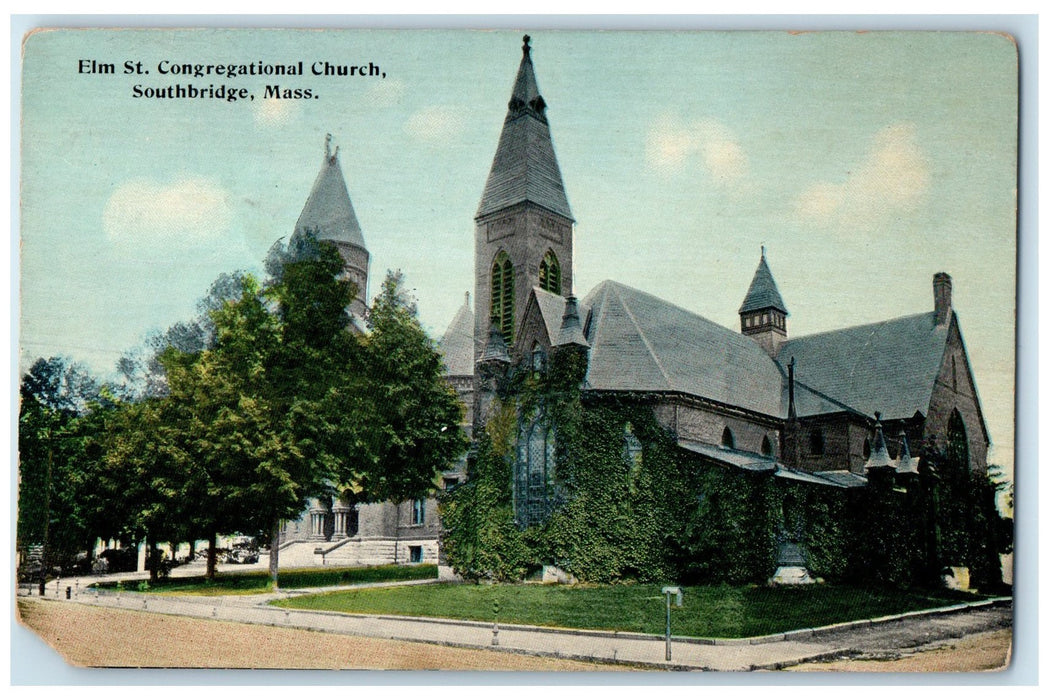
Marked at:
<point>762,251</point>
<point>327,146</point>
<point>526,48</point>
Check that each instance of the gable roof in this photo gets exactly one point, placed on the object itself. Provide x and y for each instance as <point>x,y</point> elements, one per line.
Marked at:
<point>890,366</point>
<point>328,212</point>
<point>639,342</point>
<point>525,167</point>
<point>457,343</point>
<point>763,293</point>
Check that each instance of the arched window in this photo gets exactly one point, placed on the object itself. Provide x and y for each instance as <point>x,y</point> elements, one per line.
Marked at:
<point>538,358</point>
<point>550,273</point>
<point>728,439</point>
<point>866,448</point>
<point>534,473</point>
<point>631,447</point>
<point>954,374</point>
<point>816,445</point>
<point>957,440</point>
<point>503,296</point>
<point>766,447</point>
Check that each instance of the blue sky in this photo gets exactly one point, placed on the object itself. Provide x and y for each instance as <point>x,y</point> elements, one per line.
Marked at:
<point>864,162</point>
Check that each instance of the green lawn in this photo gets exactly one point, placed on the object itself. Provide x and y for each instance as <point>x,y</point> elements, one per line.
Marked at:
<point>708,611</point>
<point>249,582</point>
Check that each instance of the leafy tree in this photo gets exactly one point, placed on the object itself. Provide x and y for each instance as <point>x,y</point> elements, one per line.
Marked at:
<point>57,399</point>
<point>407,427</point>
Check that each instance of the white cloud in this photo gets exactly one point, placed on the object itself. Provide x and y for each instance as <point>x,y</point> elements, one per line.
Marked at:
<point>671,144</point>
<point>434,124</point>
<point>273,113</point>
<point>187,211</point>
<point>893,177</point>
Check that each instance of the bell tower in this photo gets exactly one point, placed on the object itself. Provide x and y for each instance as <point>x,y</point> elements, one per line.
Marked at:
<point>763,315</point>
<point>523,226</point>
<point>329,215</point>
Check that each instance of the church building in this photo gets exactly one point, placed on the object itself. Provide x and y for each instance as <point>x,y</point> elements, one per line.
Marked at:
<point>823,408</point>
<point>341,531</point>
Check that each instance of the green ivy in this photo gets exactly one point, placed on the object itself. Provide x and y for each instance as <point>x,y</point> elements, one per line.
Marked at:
<point>672,515</point>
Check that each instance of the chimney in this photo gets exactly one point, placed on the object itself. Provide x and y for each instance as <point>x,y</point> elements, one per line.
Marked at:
<point>941,294</point>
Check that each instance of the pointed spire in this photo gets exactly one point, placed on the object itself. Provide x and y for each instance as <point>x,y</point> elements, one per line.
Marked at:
<point>457,343</point>
<point>571,332</point>
<point>328,211</point>
<point>763,293</point>
<point>879,452</point>
<point>525,168</point>
<point>495,350</point>
<point>906,464</point>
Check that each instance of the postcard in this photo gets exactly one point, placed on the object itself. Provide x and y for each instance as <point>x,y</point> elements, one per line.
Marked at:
<point>493,350</point>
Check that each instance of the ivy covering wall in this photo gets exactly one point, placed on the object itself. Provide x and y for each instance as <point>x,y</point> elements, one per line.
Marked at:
<point>629,504</point>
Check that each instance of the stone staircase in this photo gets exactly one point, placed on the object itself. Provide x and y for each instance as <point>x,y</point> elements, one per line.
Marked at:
<point>299,554</point>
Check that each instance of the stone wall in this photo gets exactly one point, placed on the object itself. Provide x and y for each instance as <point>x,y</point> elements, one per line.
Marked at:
<point>955,389</point>
<point>526,232</point>
<point>702,424</point>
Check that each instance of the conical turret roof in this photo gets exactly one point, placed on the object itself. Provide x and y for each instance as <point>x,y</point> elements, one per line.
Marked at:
<point>525,167</point>
<point>763,293</point>
<point>879,452</point>
<point>328,212</point>
<point>457,344</point>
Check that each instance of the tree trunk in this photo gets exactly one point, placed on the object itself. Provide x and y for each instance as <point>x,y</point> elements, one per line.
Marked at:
<point>151,559</point>
<point>212,543</point>
<point>192,550</point>
<point>274,552</point>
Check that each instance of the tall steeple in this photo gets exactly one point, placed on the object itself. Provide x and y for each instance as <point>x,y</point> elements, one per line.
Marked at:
<point>523,235</point>
<point>329,215</point>
<point>763,315</point>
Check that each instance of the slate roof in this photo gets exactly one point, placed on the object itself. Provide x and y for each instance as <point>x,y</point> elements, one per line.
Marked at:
<point>457,343</point>
<point>641,343</point>
<point>750,461</point>
<point>525,167</point>
<point>890,366</point>
<point>840,478</point>
<point>328,211</point>
<point>763,293</point>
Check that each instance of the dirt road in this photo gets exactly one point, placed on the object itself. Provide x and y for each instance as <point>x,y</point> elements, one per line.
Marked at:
<point>100,637</point>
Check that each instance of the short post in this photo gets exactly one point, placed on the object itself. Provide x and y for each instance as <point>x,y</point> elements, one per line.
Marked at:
<point>668,591</point>
<point>495,623</point>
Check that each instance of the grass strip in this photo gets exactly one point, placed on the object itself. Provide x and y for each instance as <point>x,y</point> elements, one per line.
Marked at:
<point>709,611</point>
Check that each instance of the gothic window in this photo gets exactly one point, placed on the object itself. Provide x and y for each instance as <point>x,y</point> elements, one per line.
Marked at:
<point>954,374</point>
<point>866,448</point>
<point>766,447</point>
<point>538,358</point>
<point>957,439</point>
<point>503,296</point>
<point>631,447</point>
<point>728,439</point>
<point>816,446</point>
<point>418,511</point>
<point>550,273</point>
<point>534,473</point>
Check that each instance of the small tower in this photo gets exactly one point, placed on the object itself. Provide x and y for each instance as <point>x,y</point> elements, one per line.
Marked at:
<point>906,464</point>
<point>329,215</point>
<point>523,226</point>
<point>763,315</point>
<point>879,458</point>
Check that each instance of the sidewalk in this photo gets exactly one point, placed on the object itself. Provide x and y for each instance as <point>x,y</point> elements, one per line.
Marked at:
<point>772,652</point>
